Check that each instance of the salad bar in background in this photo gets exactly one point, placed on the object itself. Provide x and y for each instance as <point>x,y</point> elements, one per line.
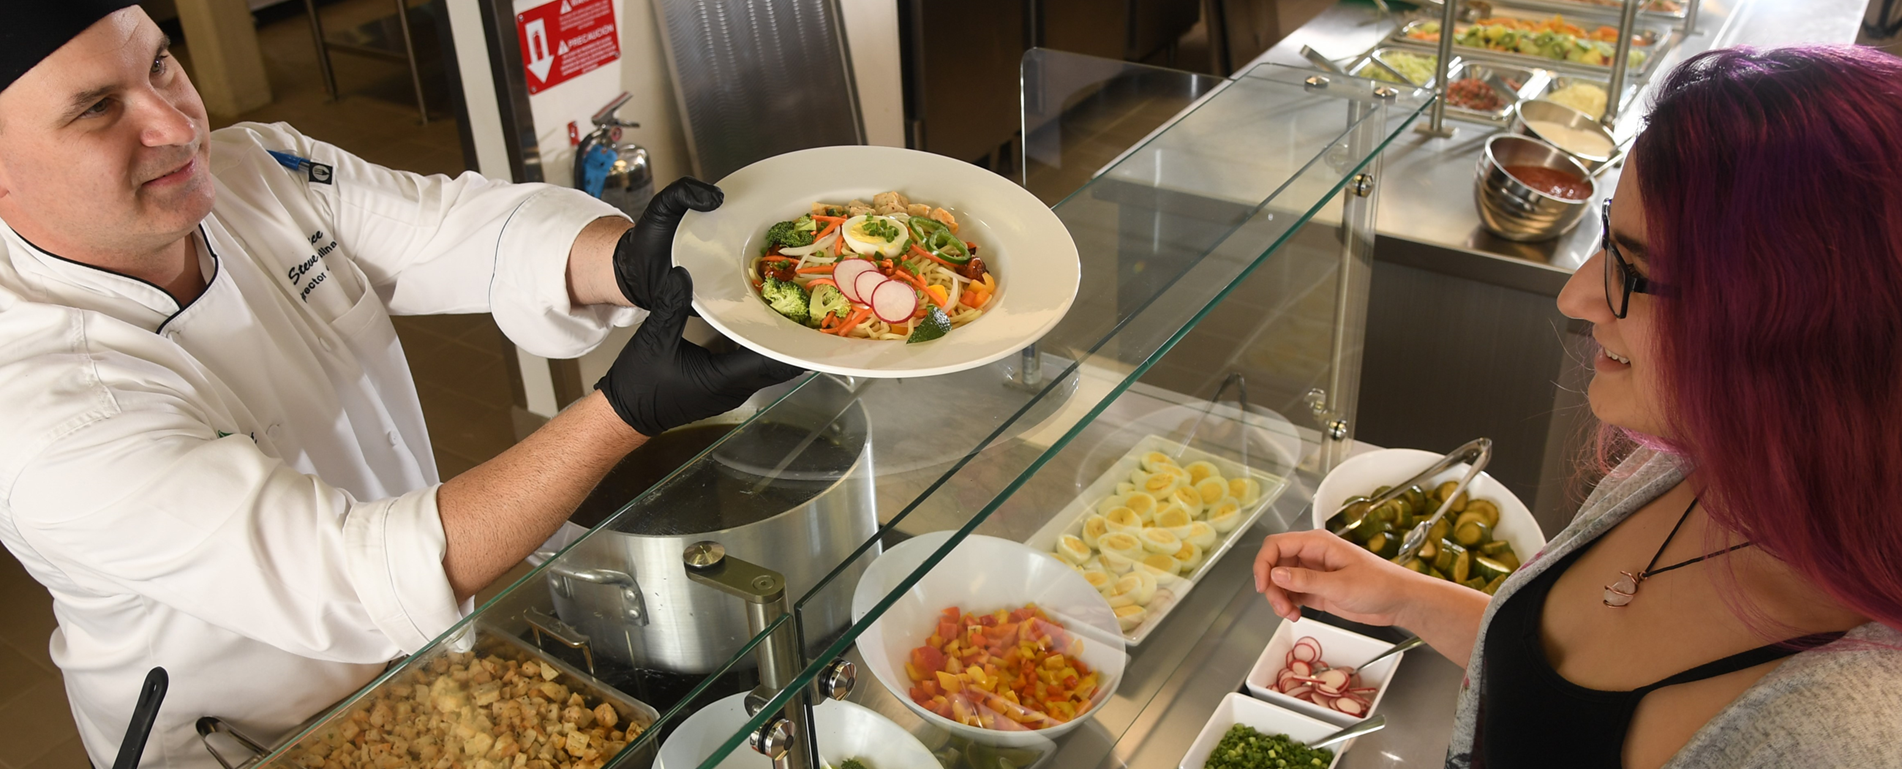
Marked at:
<point>1520,50</point>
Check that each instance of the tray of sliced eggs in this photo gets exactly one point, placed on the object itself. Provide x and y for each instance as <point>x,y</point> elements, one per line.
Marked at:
<point>1148,528</point>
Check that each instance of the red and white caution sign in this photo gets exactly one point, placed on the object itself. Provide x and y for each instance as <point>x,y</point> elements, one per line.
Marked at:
<point>566,38</point>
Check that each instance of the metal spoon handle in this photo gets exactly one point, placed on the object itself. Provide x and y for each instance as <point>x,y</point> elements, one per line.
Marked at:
<point>1368,726</point>
<point>1412,642</point>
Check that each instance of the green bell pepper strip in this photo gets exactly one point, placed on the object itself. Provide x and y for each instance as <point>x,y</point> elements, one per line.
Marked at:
<point>933,236</point>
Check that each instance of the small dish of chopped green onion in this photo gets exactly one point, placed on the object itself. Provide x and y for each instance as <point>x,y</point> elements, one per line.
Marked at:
<point>1247,733</point>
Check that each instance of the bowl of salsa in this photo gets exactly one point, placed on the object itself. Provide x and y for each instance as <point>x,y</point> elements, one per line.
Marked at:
<point>1528,190</point>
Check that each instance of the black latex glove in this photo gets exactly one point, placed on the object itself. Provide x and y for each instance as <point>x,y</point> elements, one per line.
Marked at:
<point>661,381</point>
<point>645,253</point>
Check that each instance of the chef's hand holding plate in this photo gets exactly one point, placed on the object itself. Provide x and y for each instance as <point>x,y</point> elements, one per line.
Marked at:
<point>645,253</point>
<point>1320,570</point>
<point>661,381</point>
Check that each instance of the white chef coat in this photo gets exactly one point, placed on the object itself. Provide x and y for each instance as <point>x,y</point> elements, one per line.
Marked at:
<point>241,490</point>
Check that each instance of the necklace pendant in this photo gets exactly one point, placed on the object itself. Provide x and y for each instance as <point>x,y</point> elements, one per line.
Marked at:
<point>1619,594</point>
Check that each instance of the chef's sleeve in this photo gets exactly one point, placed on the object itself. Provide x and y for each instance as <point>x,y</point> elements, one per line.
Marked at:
<point>435,244</point>
<point>146,499</point>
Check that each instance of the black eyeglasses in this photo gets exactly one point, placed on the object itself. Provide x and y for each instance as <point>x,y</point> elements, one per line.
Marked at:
<point>1620,280</point>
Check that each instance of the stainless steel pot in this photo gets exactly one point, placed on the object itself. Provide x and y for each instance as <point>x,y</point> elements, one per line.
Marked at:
<point>767,494</point>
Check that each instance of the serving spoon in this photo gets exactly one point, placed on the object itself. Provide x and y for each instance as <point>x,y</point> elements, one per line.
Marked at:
<point>1367,726</point>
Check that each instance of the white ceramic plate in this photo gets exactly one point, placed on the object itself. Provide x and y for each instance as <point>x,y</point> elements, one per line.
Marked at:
<point>1169,593</point>
<point>1386,467</point>
<point>1338,647</point>
<point>1238,708</point>
<point>846,730</point>
<point>1021,240</point>
<point>981,574</point>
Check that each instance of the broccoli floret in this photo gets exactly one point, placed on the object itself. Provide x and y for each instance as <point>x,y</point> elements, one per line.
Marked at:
<point>792,234</point>
<point>826,300</point>
<point>785,297</point>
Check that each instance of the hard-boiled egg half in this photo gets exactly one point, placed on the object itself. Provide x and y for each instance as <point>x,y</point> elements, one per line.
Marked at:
<point>870,234</point>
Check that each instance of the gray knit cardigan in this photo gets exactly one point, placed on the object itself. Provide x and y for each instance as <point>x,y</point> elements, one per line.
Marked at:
<point>1836,706</point>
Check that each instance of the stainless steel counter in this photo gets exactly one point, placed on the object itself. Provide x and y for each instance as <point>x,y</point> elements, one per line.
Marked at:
<point>1427,197</point>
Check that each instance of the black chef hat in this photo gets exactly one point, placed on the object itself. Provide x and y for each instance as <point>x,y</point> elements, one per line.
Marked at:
<point>33,29</point>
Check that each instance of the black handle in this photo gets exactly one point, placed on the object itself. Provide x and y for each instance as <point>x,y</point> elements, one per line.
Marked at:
<point>151,693</point>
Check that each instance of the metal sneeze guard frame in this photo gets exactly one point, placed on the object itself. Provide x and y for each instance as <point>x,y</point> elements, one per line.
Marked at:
<point>1347,161</point>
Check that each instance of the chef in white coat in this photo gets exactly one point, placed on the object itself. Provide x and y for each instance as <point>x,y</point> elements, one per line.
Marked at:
<point>211,450</point>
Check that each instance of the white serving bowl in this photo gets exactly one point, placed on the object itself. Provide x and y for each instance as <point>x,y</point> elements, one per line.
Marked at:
<point>1385,467</point>
<point>1021,241</point>
<point>846,730</point>
<point>982,574</point>
<point>1338,647</point>
<point>1238,708</point>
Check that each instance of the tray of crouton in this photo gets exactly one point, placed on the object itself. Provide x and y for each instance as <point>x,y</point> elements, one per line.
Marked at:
<point>502,705</point>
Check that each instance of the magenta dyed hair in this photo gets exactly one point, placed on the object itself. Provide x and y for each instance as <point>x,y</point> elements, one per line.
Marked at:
<point>1772,184</point>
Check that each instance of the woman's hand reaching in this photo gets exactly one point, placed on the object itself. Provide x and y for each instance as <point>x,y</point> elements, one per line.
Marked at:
<point>1322,571</point>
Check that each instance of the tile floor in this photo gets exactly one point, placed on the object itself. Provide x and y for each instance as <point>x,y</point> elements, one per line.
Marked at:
<point>456,359</point>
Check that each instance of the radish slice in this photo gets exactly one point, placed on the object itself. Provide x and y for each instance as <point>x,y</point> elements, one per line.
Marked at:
<point>894,301</point>
<point>867,282</point>
<point>1305,653</point>
<point>1364,690</point>
<point>1309,641</point>
<point>1289,659</point>
<point>847,275</point>
<point>1300,692</point>
<point>1333,679</point>
<point>1300,668</point>
<point>1349,706</point>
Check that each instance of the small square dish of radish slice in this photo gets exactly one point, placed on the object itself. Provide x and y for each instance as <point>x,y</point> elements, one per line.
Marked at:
<point>1313,668</point>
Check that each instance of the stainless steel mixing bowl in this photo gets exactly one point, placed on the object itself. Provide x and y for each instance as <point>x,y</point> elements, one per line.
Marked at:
<point>1510,209</point>
<point>1554,112</point>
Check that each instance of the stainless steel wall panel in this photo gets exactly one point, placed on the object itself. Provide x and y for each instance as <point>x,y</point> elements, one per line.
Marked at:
<point>758,78</point>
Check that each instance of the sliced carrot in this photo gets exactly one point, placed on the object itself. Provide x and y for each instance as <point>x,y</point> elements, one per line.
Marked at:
<point>828,229</point>
<point>817,268</point>
<point>838,246</point>
<point>905,275</point>
<point>777,258</point>
<point>817,282</point>
<point>824,218</point>
<point>928,255</point>
<point>853,321</point>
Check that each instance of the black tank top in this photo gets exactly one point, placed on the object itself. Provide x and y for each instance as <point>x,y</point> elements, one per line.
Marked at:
<point>1530,716</point>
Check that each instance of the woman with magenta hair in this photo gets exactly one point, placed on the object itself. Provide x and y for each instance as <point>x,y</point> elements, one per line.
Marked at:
<point>1730,594</point>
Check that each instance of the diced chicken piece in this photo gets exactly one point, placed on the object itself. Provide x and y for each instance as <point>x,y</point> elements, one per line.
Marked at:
<point>918,209</point>
<point>945,217</point>
<point>856,207</point>
<point>604,715</point>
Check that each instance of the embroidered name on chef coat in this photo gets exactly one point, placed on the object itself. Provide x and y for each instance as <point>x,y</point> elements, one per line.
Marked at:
<point>307,275</point>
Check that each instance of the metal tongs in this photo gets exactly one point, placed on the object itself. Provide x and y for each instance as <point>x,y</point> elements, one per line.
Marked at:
<point>1477,453</point>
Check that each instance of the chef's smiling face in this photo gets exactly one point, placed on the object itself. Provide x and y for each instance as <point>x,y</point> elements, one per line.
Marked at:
<point>1626,388</point>
<point>103,145</point>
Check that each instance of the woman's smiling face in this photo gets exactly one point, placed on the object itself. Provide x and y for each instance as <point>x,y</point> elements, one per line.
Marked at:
<point>1627,389</point>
